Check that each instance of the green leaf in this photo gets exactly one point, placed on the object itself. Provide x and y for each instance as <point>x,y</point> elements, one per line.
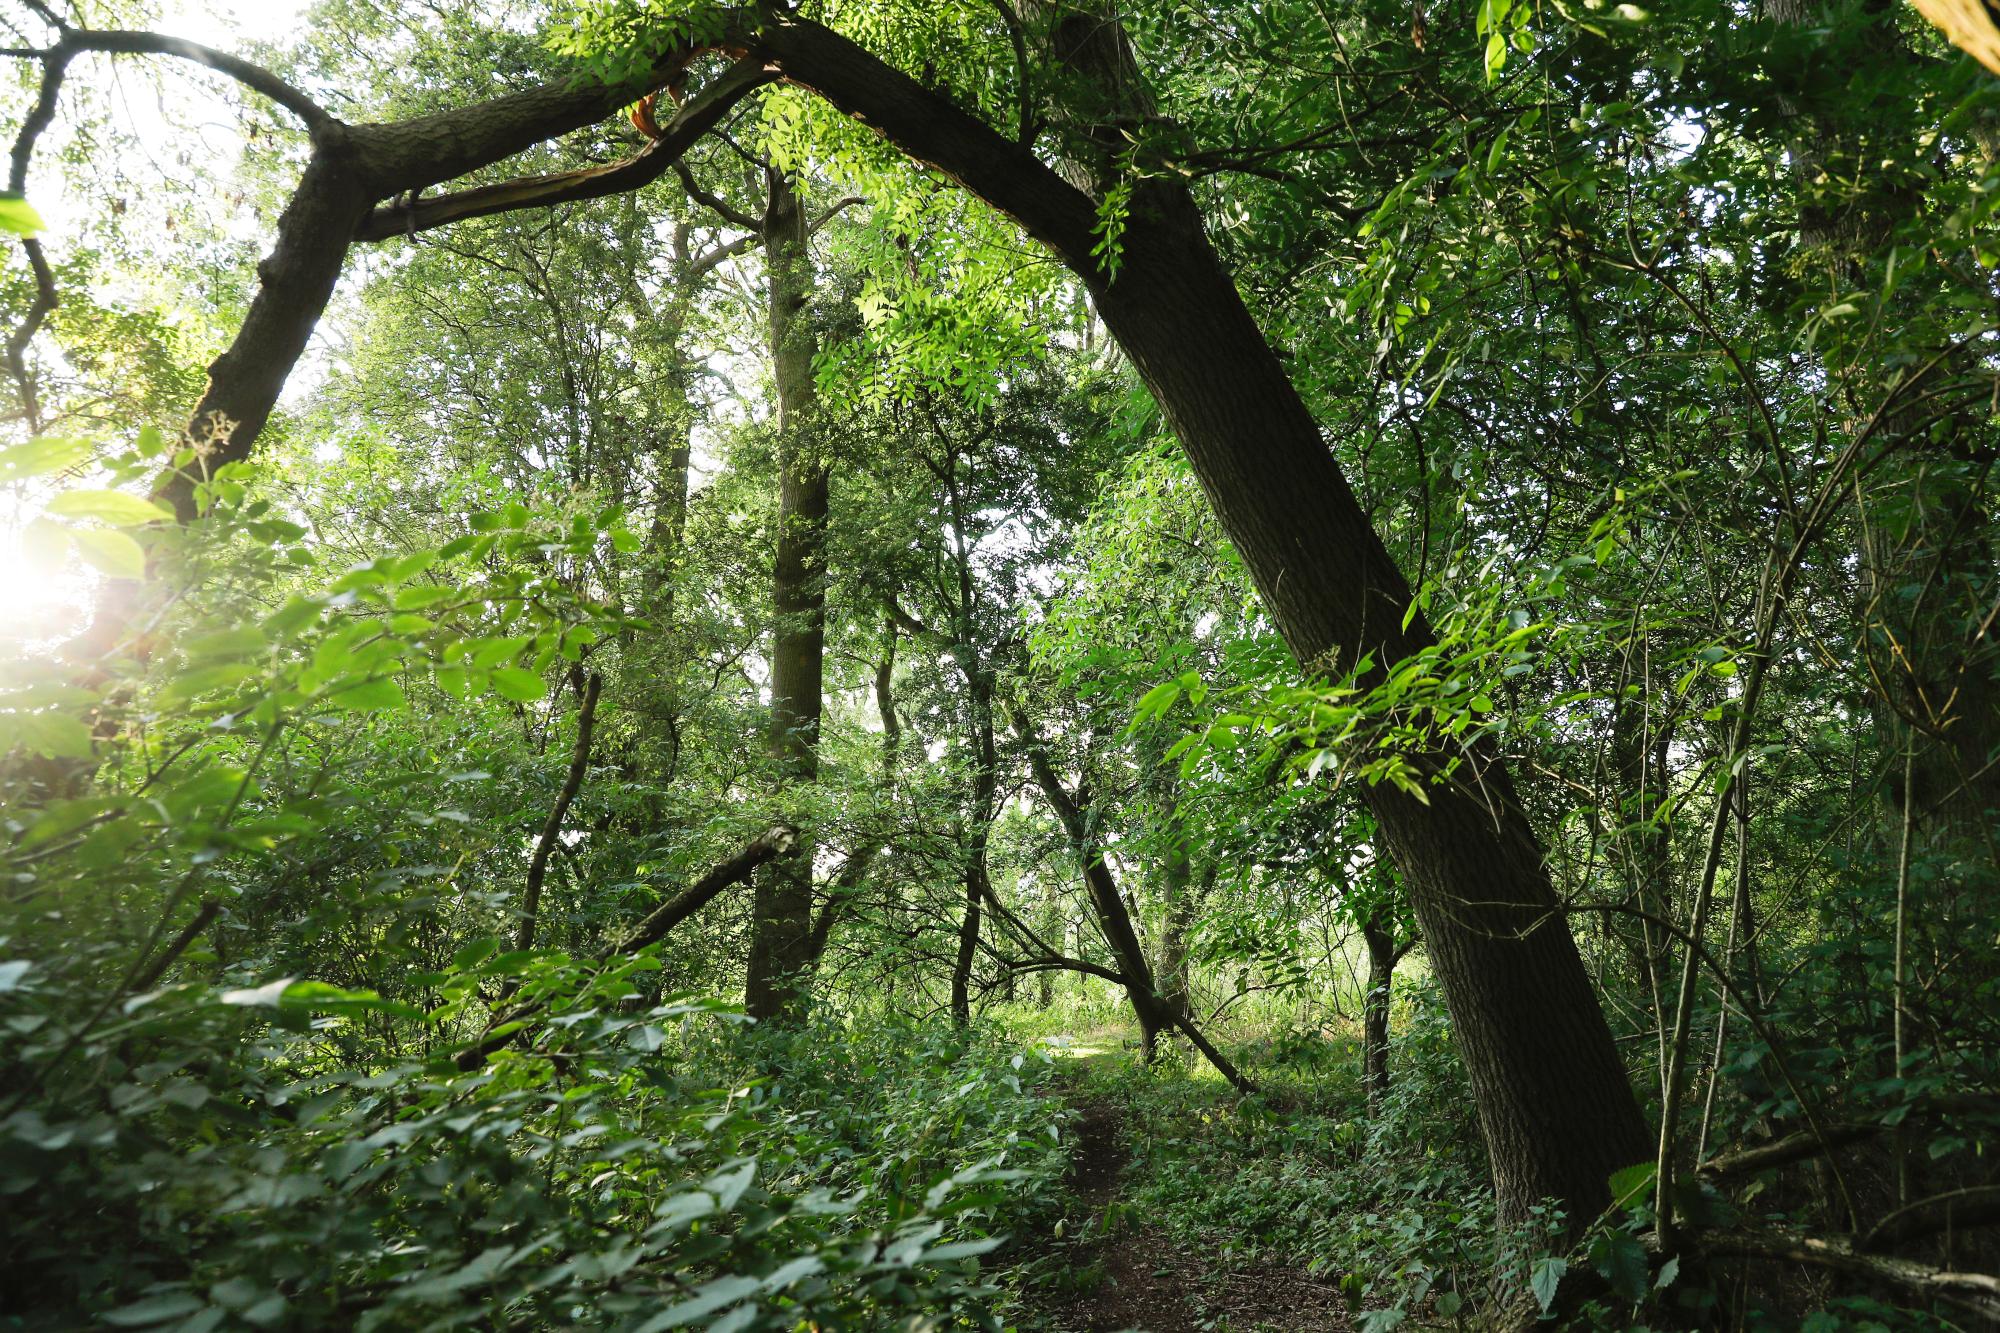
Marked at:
<point>422,595</point>
<point>495,651</point>
<point>373,695</point>
<point>321,997</point>
<point>522,686</point>
<point>1546,1276</point>
<point>233,644</point>
<point>57,735</point>
<point>965,1249</point>
<point>267,996</point>
<point>110,551</point>
<point>155,1309</point>
<point>1632,1182</point>
<point>117,508</point>
<point>19,216</point>
<point>41,456</point>
<point>712,1296</point>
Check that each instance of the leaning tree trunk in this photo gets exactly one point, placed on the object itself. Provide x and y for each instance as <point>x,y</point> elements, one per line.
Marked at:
<point>1107,904</point>
<point>781,933</point>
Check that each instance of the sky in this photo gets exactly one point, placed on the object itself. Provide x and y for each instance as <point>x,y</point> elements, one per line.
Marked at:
<point>225,25</point>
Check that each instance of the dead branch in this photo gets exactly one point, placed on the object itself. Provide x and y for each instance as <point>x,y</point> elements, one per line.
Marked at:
<point>775,841</point>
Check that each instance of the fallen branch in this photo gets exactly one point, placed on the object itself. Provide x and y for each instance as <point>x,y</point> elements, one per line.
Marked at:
<point>1954,1210</point>
<point>1808,1144</point>
<point>776,841</point>
<point>1975,1292</point>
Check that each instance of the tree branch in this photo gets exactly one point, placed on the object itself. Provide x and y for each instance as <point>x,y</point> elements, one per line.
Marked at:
<point>1977,1292</point>
<point>714,202</point>
<point>252,76</point>
<point>1963,1209</point>
<point>579,765</point>
<point>701,113</point>
<point>775,841</point>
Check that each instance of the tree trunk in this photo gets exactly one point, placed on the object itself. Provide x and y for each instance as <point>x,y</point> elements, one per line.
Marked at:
<point>1106,903</point>
<point>1554,1106</point>
<point>985,783</point>
<point>545,845</point>
<point>782,935</point>
<point>1378,931</point>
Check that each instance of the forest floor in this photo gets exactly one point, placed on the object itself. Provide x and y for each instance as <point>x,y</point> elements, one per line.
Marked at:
<point>1116,1269</point>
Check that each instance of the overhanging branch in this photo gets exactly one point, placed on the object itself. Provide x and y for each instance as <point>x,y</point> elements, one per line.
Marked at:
<point>701,113</point>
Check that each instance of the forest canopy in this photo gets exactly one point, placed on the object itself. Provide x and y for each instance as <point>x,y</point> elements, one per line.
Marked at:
<point>1000,664</point>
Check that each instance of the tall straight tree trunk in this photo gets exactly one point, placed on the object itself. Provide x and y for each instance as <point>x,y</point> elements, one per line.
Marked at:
<point>1378,933</point>
<point>978,875</point>
<point>782,935</point>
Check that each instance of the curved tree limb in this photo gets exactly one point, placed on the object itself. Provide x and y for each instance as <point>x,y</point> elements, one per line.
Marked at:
<point>701,113</point>
<point>251,75</point>
<point>1977,1292</point>
<point>1954,1210</point>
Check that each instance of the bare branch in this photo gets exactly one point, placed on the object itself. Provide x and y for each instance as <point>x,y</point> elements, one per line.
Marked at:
<point>252,76</point>
<point>1979,1292</point>
<point>55,66</point>
<point>720,255</point>
<point>1954,1210</point>
<point>775,841</point>
<point>713,202</point>
<point>834,211</point>
<point>579,766</point>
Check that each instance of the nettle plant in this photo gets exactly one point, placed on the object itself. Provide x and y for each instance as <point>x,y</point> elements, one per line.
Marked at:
<point>280,1151</point>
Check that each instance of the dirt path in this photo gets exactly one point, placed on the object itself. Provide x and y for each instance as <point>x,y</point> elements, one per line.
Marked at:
<point>1130,1276</point>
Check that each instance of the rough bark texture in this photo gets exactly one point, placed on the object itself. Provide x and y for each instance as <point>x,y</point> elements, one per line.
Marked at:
<point>294,283</point>
<point>781,943</point>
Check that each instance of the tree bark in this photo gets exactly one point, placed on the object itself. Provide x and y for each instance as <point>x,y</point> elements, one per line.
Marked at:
<point>1379,933</point>
<point>782,936</point>
<point>985,783</point>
